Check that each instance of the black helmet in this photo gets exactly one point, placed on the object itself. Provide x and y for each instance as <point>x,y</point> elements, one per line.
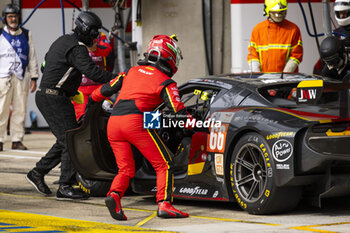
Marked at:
<point>9,9</point>
<point>332,52</point>
<point>87,27</point>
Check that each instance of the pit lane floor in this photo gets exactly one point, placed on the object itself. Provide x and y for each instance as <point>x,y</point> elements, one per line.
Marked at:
<point>23,209</point>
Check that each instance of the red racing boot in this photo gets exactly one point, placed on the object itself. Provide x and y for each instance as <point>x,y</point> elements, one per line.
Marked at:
<point>166,210</point>
<point>114,206</point>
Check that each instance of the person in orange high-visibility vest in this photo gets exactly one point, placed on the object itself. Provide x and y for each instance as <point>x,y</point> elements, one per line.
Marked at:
<point>275,44</point>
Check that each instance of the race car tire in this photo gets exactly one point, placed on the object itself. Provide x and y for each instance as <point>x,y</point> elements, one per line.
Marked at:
<point>252,178</point>
<point>94,188</point>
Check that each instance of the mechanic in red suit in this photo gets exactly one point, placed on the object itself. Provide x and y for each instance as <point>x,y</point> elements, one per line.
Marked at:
<point>142,89</point>
<point>98,53</point>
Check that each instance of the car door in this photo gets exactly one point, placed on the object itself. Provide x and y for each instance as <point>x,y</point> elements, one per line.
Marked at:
<point>193,145</point>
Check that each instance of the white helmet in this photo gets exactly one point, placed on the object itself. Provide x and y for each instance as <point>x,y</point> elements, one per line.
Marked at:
<point>342,7</point>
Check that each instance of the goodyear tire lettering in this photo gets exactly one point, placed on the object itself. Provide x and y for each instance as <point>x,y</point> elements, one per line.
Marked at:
<point>86,190</point>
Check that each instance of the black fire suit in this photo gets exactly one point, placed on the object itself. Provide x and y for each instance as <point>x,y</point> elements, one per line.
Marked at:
<point>65,62</point>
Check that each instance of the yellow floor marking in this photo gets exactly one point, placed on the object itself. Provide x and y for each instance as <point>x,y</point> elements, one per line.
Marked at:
<point>146,220</point>
<point>46,223</point>
<point>150,211</point>
<point>309,228</point>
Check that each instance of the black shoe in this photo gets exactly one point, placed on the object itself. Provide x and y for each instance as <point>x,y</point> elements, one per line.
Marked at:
<point>18,146</point>
<point>1,146</point>
<point>67,192</point>
<point>37,180</point>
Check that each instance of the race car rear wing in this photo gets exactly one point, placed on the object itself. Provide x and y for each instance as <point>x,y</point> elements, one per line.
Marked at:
<point>310,91</point>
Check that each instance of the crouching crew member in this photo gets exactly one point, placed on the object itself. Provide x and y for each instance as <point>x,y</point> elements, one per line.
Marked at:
<point>335,57</point>
<point>142,89</point>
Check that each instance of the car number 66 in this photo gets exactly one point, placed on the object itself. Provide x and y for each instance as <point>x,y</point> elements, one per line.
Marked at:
<point>217,137</point>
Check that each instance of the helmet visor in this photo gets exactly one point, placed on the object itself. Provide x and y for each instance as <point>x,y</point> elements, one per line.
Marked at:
<point>94,32</point>
<point>342,14</point>
<point>332,61</point>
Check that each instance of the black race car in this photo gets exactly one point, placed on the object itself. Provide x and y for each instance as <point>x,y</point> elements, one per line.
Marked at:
<point>281,137</point>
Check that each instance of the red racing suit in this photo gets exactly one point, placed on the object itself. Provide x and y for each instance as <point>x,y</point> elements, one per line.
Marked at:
<point>142,89</point>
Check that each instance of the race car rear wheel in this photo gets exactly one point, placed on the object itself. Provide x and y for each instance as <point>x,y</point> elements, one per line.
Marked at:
<point>252,178</point>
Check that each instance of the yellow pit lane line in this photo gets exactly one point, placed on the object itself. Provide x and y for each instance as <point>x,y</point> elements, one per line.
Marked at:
<point>153,214</point>
<point>12,221</point>
<point>311,227</point>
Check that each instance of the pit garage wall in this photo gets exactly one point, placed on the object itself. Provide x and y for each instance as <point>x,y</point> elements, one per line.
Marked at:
<point>245,14</point>
<point>181,17</point>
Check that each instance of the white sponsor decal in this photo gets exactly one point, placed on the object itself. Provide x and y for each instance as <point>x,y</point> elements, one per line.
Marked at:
<point>145,72</point>
<point>282,166</point>
<point>194,191</point>
<point>282,150</point>
<point>307,94</point>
